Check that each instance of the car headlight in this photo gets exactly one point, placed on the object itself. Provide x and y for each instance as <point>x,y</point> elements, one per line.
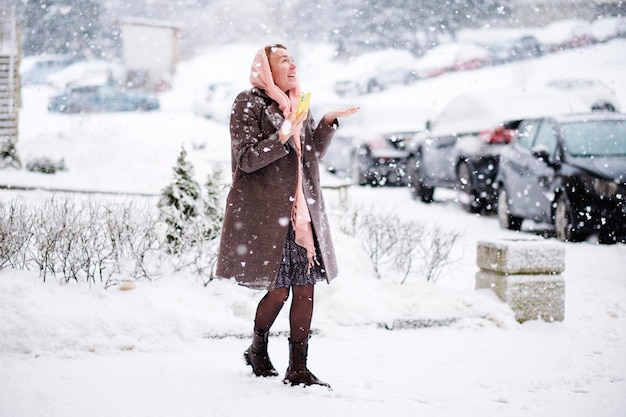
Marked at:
<point>604,187</point>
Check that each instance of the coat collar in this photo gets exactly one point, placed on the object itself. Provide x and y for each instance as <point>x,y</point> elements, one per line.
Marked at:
<point>273,112</point>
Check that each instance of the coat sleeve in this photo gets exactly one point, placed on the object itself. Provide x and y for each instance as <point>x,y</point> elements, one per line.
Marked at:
<point>252,148</point>
<point>323,136</point>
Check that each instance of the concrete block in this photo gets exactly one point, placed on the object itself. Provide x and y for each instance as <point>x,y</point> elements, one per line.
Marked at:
<point>521,256</point>
<point>531,297</point>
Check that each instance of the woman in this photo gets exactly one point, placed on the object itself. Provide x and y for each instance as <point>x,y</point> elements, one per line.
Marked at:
<point>276,234</point>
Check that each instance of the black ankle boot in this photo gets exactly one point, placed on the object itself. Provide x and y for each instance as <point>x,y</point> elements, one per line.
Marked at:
<point>297,372</point>
<point>257,357</point>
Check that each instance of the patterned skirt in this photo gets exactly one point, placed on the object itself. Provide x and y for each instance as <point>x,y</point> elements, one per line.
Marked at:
<point>294,266</point>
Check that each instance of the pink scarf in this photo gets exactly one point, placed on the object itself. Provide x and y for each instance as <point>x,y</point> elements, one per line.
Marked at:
<point>261,77</point>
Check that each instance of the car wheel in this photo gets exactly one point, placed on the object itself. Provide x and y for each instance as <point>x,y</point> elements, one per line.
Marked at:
<point>564,226</point>
<point>72,108</point>
<point>505,218</point>
<point>416,185</point>
<point>143,106</point>
<point>607,237</point>
<point>393,178</point>
<point>603,106</point>
<point>426,194</point>
<point>467,196</point>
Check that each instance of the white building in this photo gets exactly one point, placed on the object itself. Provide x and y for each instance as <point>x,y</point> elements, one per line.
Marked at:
<point>150,51</point>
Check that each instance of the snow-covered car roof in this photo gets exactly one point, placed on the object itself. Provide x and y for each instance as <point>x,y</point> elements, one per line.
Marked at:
<point>564,30</point>
<point>449,54</point>
<point>485,109</point>
<point>86,72</point>
<point>589,91</point>
<point>608,27</point>
<point>369,63</point>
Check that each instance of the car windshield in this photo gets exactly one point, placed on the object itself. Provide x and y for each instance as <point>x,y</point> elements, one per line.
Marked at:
<point>596,138</point>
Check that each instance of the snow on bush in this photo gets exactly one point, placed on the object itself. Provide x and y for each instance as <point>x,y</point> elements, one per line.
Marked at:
<point>118,242</point>
<point>406,246</point>
<point>111,241</point>
<point>81,240</point>
<point>193,221</point>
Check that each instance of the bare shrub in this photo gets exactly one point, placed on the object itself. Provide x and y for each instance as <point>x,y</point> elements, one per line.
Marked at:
<point>406,246</point>
<point>378,232</point>
<point>139,241</point>
<point>82,241</point>
<point>15,235</point>
<point>91,240</point>
<point>199,254</point>
<point>48,230</point>
<point>435,251</point>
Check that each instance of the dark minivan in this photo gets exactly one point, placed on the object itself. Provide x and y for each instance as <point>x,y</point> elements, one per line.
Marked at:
<point>569,171</point>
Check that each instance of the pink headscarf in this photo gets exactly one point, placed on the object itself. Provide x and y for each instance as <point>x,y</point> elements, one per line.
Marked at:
<point>261,77</point>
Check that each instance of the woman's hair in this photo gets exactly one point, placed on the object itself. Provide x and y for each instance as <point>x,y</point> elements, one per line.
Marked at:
<point>268,48</point>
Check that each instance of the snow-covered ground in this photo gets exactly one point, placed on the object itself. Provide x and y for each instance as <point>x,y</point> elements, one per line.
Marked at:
<point>173,347</point>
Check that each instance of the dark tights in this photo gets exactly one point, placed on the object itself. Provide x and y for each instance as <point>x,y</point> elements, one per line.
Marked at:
<point>300,314</point>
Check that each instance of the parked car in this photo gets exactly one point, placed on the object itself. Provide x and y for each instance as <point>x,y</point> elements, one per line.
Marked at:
<point>607,28</point>
<point>37,69</point>
<point>466,162</point>
<point>594,93</point>
<point>88,72</point>
<point>566,34</point>
<point>101,98</point>
<point>215,100</point>
<point>515,49</point>
<point>338,157</point>
<point>462,148</point>
<point>380,159</point>
<point>368,157</point>
<point>370,146</point>
<point>568,171</point>
<point>449,57</point>
<point>376,71</point>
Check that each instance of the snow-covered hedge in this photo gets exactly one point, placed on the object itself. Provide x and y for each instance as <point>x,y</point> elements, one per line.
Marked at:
<point>113,241</point>
<point>406,247</point>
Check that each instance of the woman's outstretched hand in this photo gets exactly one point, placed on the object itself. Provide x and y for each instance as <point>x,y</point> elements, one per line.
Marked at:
<point>284,133</point>
<point>331,116</point>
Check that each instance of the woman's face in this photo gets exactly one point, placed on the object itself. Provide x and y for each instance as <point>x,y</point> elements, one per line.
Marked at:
<point>283,69</point>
